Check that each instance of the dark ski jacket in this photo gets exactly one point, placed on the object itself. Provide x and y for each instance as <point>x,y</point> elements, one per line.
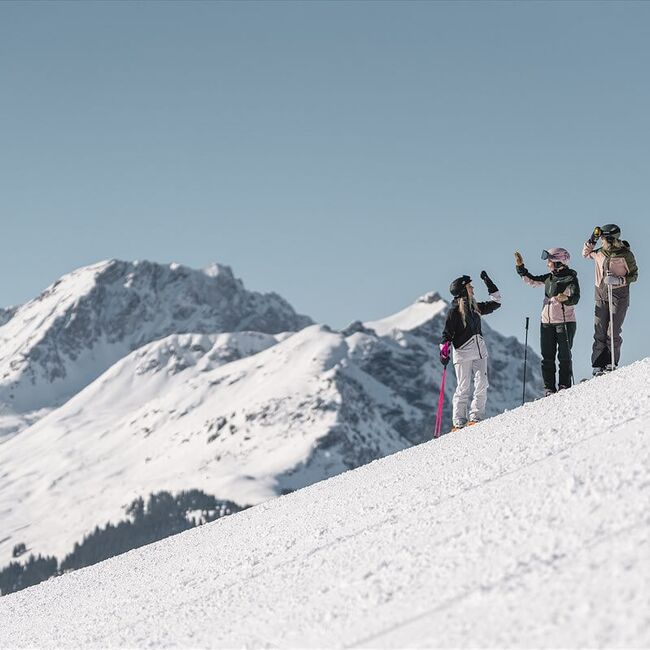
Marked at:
<point>563,281</point>
<point>460,334</point>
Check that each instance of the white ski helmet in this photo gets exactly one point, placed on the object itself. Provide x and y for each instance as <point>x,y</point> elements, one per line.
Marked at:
<point>561,255</point>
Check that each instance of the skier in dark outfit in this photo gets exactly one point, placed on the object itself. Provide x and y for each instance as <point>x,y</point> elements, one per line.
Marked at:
<point>558,326</point>
<point>463,331</point>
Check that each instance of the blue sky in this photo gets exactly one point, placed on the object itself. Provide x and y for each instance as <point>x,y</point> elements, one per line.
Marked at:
<point>350,156</point>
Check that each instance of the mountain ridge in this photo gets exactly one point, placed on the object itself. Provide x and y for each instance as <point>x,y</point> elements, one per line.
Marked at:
<point>56,344</point>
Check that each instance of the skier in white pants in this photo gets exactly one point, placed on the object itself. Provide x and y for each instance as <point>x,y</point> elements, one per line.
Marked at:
<point>463,331</point>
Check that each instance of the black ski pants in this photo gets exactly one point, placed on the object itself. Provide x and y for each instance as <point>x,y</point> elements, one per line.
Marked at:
<point>557,339</point>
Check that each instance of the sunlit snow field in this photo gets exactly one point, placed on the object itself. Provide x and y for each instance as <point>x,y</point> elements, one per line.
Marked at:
<point>531,529</point>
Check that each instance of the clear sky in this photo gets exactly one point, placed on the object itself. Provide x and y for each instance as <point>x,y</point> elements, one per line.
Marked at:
<point>348,155</point>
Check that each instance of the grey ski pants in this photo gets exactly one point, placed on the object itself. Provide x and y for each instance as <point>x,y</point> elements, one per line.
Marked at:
<point>600,353</point>
<point>465,371</point>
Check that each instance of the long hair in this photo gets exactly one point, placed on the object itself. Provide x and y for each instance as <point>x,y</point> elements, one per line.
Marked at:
<point>463,304</point>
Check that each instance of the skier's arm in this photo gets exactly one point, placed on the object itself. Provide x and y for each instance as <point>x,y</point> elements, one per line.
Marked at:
<point>448,331</point>
<point>588,249</point>
<point>574,293</point>
<point>590,244</point>
<point>489,306</point>
<point>632,274</point>
<point>495,296</point>
<point>532,280</point>
<point>489,285</point>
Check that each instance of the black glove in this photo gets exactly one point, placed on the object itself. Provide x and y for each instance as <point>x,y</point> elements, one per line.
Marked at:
<point>491,287</point>
<point>522,270</point>
<point>595,235</point>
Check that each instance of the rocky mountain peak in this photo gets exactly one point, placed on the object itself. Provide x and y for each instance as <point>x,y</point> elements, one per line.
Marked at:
<point>215,269</point>
<point>430,298</point>
<point>53,346</point>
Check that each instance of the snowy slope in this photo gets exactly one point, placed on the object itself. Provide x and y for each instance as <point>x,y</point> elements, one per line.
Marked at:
<point>56,344</point>
<point>528,530</point>
<point>181,414</point>
<point>243,416</point>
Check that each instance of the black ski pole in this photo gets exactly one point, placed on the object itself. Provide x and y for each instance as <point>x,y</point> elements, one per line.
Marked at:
<point>523,395</point>
<point>568,345</point>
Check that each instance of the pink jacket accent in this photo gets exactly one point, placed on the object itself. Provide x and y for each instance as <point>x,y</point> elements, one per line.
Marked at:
<point>616,265</point>
<point>552,308</point>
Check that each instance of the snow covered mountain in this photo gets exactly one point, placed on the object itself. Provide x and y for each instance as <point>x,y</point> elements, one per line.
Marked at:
<point>243,416</point>
<point>530,529</point>
<point>58,343</point>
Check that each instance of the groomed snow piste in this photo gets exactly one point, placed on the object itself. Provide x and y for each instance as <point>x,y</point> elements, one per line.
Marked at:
<point>531,529</point>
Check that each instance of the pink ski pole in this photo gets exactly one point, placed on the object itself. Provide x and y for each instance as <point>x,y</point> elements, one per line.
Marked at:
<point>441,400</point>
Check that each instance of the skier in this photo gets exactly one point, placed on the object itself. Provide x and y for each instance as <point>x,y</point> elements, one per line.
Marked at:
<point>463,331</point>
<point>616,268</point>
<point>558,320</point>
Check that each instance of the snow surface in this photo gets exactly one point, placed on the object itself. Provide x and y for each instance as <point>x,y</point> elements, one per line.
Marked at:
<point>191,415</point>
<point>531,529</point>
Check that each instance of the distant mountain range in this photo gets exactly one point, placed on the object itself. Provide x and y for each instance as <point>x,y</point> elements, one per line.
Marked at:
<point>124,379</point>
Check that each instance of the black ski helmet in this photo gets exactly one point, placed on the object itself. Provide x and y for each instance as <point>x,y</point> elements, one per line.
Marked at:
<point>458,287</point>
<point>610,232</point>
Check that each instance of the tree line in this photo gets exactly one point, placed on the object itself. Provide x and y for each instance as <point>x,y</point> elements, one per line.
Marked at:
<point>162,515</point>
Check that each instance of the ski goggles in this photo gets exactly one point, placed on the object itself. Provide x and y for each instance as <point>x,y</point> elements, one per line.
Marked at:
<point>557,264</point>
<point>549,256</point>
<point>557,255</point>
<point>610,232</point>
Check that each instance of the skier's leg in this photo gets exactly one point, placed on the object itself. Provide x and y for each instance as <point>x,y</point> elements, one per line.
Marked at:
<point>620,303</point>
<point>600,350</point>
<point>461,395</point>
<point>477,409</point>
<point>564,351</point>
<point>548,346</point>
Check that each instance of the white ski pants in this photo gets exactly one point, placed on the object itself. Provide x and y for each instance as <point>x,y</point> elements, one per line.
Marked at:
<point>465,371</point>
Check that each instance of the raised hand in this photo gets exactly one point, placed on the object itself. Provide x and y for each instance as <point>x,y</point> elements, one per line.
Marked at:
<point>595,235</point>
<point>519,260</point>
<point>491,287</point>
